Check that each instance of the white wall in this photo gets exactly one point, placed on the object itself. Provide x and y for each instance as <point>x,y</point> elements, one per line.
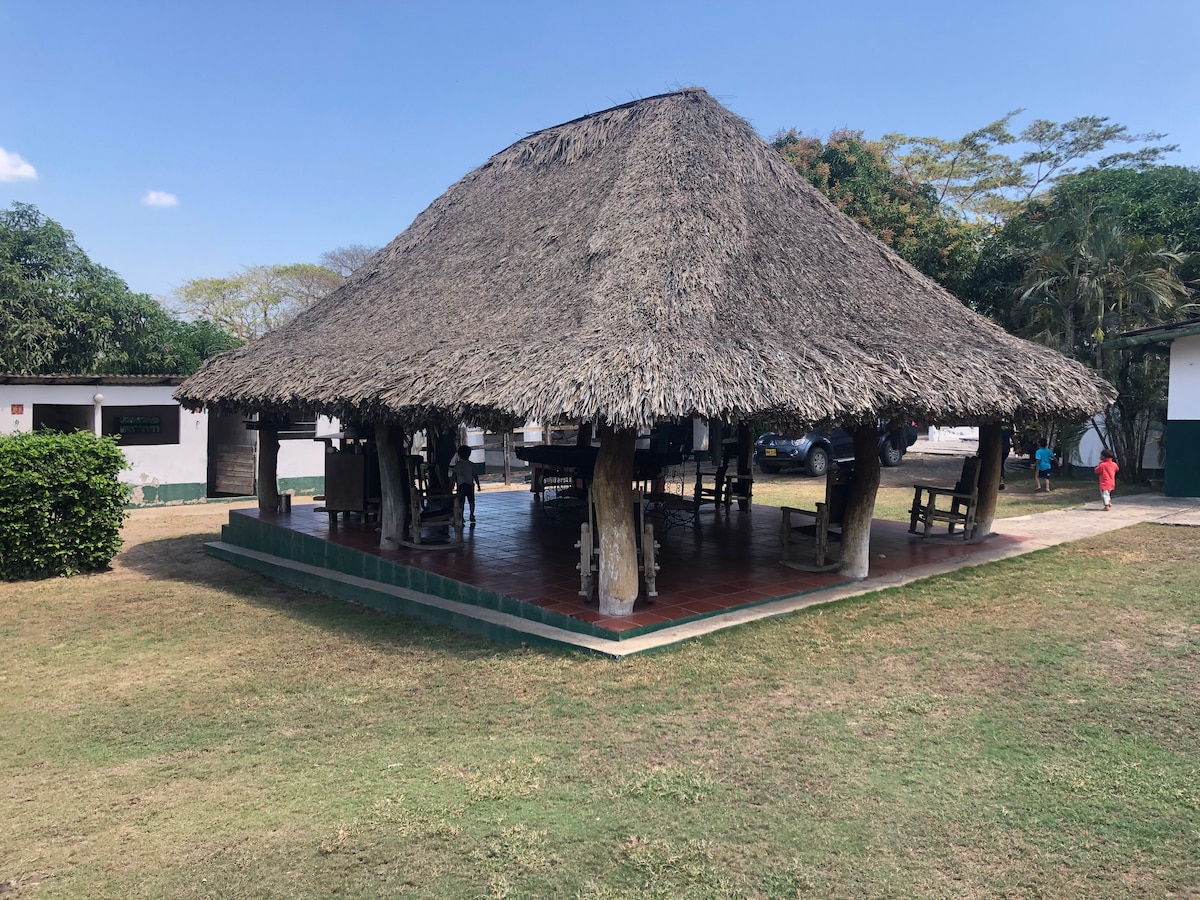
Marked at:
<point>155,464</point>
<point>953,433</point>
<point>182,463</point>
<point>1183,402</point>
<point>304,459</point>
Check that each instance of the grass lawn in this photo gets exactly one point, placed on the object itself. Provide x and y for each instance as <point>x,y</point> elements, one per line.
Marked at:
<point>179,728</point>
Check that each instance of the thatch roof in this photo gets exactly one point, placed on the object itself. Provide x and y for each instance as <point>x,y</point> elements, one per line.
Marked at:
<point>654,260</point>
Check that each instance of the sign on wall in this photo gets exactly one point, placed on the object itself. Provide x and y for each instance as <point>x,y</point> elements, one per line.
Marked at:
<point>139,425</point>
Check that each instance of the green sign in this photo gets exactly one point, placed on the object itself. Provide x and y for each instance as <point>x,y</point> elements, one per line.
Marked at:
<point>139,425</point>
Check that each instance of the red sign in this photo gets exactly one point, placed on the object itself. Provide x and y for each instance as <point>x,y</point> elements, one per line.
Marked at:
<point>18,409</point>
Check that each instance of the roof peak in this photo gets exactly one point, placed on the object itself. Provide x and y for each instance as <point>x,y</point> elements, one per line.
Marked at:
<point>620,106</point>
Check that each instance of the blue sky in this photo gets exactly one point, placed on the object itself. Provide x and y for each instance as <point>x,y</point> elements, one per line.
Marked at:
<point>285,129</point>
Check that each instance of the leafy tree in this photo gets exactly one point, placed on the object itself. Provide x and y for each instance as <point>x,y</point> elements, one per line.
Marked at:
<point>1161,201</point>
<point>193,342</point>
<point>902,212</point>
<point>1090,278</point>
<point>60,313</point>
<point>980,180</point>
<point>257,299</point>
<point>348,259</point>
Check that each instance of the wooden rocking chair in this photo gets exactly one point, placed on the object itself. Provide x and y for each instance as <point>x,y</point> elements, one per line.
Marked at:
<point>825,525</point>
<point>430,508</point>
<point>714,492</point>
<point>959,503</point>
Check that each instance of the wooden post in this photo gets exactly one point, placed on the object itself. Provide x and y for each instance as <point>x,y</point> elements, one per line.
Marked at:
<point>860,504</point>
<point>745,457</point>
<point>268,469</point>
<point>618,589</point>
<point>989,478</point>
<point>583,437</point>
<point>506,444</point>
<point>393,484</point>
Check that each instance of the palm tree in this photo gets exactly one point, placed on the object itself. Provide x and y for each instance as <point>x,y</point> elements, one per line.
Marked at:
<point>1091,274</point>
<point>1090,279</point>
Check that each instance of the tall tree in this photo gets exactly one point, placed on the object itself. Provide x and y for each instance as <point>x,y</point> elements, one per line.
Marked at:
<point>257,299</point>
<point>348,259</point>
<point>902,212</point>
<point>60,313</point>
<point>1159,202</point>
<point>1162,201</point>
<point>981,180</point>
<point>1089,279</point>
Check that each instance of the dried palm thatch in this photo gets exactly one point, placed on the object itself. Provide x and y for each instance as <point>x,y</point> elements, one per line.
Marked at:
<point>654,260</point>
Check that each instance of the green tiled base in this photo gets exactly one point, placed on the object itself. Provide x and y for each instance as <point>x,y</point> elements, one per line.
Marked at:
<point>264,537</point>
<point>380,597</point>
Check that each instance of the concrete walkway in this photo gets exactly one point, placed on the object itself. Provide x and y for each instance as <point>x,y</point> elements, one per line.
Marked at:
<point>1034,532</point>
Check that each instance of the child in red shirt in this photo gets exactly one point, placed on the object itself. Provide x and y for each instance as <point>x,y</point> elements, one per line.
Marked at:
<point>1107,470</point>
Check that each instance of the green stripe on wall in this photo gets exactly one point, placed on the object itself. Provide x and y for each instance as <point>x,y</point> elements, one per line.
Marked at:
<point>197,492</point>
<point>158,494</point>
<point>307,484</point>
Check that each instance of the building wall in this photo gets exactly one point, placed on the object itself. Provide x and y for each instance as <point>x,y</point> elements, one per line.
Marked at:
<point>159,473</point>
<point>301,464</point>
<point>1182,476</point>
<point>1183,401</point>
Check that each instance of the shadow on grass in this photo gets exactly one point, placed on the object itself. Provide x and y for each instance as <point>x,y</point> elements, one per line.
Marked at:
<point>181,559</point>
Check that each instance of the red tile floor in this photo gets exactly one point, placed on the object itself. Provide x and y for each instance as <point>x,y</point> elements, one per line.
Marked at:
<point>523,550</point>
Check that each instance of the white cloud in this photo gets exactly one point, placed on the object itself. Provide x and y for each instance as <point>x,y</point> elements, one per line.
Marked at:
<point>159,198</point>
<point>13,168</point>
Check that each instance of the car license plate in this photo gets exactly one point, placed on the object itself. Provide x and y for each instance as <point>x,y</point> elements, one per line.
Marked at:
<point>770,451</point>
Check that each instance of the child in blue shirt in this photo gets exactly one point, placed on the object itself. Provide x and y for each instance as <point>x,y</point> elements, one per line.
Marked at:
<point>1044,459</point>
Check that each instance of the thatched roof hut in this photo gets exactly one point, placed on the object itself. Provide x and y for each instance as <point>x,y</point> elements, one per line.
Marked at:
<point>654,260</point>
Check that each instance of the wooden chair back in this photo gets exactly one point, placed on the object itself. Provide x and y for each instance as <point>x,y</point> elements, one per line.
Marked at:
<point>968,483</point>
<point>837,493</point>
<point>958,503</point>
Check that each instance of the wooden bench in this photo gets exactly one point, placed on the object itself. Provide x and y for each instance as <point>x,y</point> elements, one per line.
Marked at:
<point>824,527</point>
<point>958,503</point>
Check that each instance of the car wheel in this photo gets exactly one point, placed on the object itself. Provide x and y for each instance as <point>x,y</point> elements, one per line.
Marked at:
<point>890,454</point>
<point>817,463</point>
<point>768,468</point>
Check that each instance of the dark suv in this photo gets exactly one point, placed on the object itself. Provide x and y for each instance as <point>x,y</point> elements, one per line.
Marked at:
<point>815,450</point>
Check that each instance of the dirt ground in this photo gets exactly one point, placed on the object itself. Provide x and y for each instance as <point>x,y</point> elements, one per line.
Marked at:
<point>932,468</point>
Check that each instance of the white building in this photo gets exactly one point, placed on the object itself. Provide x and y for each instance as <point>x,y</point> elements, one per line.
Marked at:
<point>175,456</point>
<point>1182,433</point>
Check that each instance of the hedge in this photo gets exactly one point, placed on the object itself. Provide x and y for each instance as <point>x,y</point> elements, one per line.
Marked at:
<point>61,503</point>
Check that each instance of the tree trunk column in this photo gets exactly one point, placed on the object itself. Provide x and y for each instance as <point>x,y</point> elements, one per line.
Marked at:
<point>268,470</point>
<point>615,527</point>
<point>860,504</point>
<point>393,484</point>
<point>990,464</point>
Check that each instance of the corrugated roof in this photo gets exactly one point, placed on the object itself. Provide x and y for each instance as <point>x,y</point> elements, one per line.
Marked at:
<point>128,380</point>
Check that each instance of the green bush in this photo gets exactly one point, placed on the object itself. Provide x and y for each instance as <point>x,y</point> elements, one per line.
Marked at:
<point>61,503</point>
